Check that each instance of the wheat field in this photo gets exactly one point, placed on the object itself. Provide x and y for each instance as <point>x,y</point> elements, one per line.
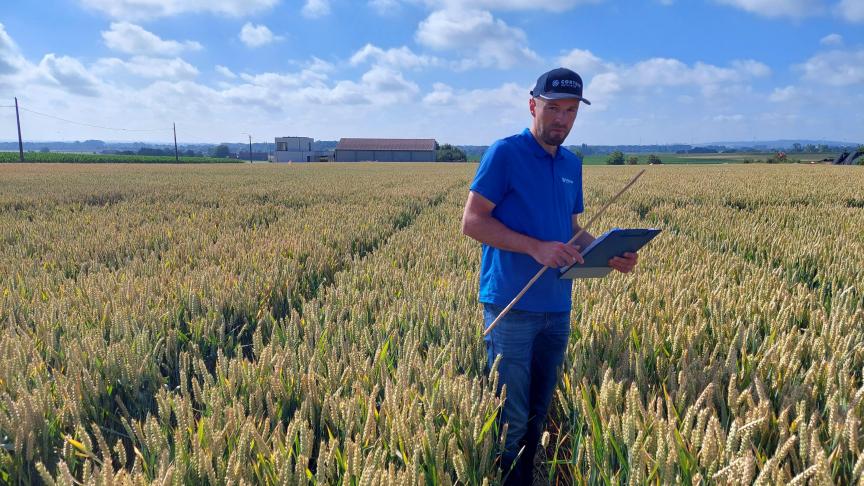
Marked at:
<point>319,324</point>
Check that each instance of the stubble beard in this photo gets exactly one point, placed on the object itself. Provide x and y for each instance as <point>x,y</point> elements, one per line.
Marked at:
<point>554,140</point>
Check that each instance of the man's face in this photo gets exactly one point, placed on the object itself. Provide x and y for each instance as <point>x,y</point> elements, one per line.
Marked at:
<point>553,119</point>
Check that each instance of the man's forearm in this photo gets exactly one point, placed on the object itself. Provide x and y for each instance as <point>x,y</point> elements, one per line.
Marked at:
<point>491,231</point>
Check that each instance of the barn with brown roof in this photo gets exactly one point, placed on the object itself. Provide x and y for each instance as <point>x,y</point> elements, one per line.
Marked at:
<point>386,150</point>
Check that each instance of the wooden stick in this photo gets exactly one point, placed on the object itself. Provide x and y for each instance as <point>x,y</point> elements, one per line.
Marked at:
<point>577,235</point>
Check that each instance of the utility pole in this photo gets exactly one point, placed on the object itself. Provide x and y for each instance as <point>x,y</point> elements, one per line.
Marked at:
<point>20,143</point>
<point>250,148</point>
<point>176,155</point>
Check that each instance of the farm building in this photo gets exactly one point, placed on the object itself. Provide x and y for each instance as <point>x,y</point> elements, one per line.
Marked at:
<point>299,149</point>
<point>386,150</point>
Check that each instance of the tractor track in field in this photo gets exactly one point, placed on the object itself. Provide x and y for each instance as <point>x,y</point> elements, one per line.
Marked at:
<point>241,328</point>
<point>315,283</point>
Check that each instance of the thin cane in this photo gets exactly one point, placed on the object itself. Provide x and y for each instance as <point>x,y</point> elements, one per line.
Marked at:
<point>577,235</point>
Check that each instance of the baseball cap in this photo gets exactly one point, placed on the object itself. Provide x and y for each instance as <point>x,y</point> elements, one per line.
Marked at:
<point>559,84</point>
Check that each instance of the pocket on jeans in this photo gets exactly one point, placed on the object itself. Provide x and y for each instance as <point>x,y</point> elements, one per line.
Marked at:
<point>491,311</point>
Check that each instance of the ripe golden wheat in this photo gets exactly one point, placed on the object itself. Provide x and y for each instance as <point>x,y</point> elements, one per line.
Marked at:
<point>319,324</point>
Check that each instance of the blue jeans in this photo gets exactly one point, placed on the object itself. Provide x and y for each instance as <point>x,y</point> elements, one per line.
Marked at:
<point>532,347</point>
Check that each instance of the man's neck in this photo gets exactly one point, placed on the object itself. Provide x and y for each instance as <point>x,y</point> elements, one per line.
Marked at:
<point>550,149</point>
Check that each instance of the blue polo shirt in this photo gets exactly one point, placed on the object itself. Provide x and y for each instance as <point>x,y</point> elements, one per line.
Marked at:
<point>534,194</point>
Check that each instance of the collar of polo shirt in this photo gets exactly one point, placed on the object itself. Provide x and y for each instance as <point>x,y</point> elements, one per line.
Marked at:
<point>537,149</point>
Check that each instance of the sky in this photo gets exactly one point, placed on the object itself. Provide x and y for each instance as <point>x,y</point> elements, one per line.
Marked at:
<point>459,71</point>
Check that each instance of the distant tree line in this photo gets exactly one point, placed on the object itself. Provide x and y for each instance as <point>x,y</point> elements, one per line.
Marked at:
<point>810,148</point>
<point>222,151</point>
<point>586,149</point>
<point>617,158</point>
<point>449,153</point>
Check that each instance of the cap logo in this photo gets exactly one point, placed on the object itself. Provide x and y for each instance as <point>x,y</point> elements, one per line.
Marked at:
<point>567,83</point>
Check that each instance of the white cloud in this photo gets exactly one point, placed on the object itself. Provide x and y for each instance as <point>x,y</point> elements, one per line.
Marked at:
<point>384,7</point>
<point>602,88</point>
<point>133,39</point>
<point>316,65</point>
<point>194,98</point>
<point>751,68</point>
<point>257,35</point>
<point>69,74</point>
<point>441,94</point>
<point>548,5</point>
<point>378,86</point>
<point>509,96</point>
<point>276,81</point>
<point>316,8</point>
<point>485,40</point>
<point>672,72</point>
<point>728,118</point>
<point>851,10</point>
<point>782,95</point>
<point>146,67</point>
<point>148,9</point>
<point>224,71</point>
<point>387,103</point>
<point>655,74</point>
<point>583,62</point>
<point>209,112</point>
<point>835,68</point>
<point>11,60</point>
<point>832,40</point>
<point>401,57</point>
<point>780,118</point>
<point>388,85</point>
<point>314,74</point>
<point>778,8</point>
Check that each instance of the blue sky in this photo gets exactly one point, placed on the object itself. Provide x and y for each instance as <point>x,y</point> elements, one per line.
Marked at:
<point>657,71</point>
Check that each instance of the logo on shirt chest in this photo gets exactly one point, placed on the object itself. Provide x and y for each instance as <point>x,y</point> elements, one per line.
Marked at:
<point>566,180</point>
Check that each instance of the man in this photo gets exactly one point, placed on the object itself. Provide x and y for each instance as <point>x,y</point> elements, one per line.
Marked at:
<point>523,206</point>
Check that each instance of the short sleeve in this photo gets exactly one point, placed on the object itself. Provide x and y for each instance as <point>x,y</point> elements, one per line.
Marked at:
<point>491,180</point>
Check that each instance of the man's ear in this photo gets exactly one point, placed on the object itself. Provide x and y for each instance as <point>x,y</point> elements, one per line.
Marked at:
<point>532,105</point>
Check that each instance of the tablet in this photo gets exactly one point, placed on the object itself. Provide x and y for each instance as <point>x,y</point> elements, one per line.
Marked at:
<point>610,244</point>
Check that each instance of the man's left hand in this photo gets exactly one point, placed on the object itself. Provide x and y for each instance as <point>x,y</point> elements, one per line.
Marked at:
<point>624,263</point>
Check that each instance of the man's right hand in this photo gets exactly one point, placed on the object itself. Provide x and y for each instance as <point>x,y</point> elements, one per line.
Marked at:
<point>556,254</point>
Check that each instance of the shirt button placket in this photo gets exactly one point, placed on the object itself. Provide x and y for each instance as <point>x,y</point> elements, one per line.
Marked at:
<point>555,193</point>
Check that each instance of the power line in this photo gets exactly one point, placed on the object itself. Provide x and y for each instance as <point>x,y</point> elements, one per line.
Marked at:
<point>90,125</point>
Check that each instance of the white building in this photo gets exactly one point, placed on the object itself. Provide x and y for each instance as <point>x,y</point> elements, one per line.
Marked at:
<point>299,149</point>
